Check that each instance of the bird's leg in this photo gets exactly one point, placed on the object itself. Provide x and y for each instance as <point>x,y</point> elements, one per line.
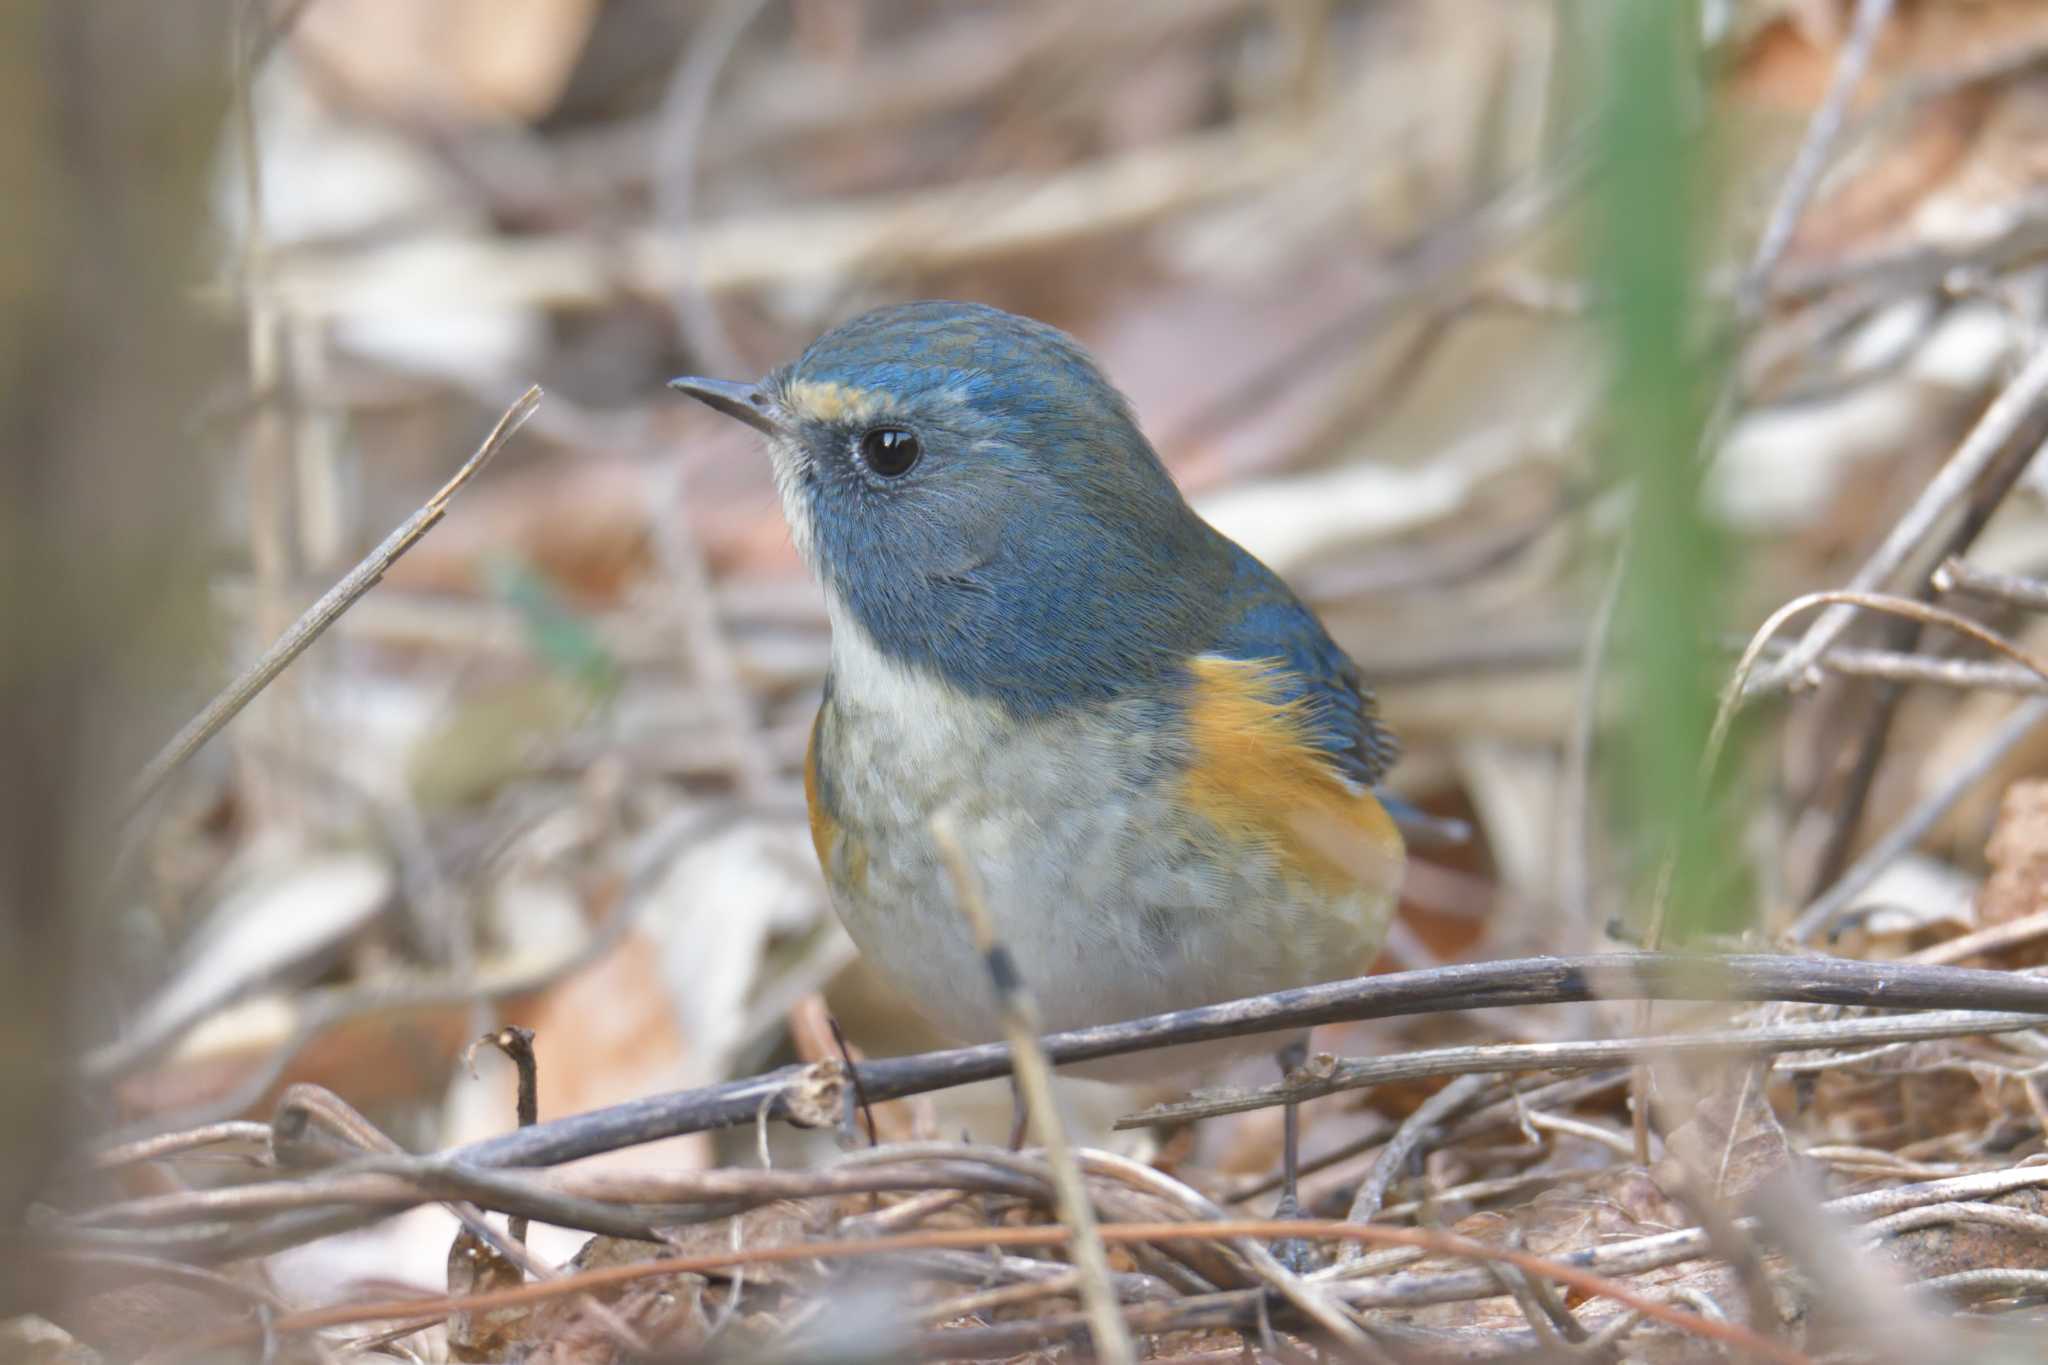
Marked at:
<point>1292,1252</point>
<point>1289,1057</point>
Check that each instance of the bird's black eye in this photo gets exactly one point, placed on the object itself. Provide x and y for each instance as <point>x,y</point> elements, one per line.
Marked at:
<point>890,451</point>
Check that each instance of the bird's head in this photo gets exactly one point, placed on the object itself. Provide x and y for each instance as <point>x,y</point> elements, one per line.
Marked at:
<point>977,498</point>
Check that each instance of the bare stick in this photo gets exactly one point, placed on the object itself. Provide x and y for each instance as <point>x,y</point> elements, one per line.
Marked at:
<point>1993,939</point>
<point>1905,636</point>
<point>600,1201</point>
<point>1814,150</point>
<point>952,225</point>
<point>322,614</point>
<point>1034,1084</point>
<point>1740,687</point>
<point>1315,1304</point>
<point>815,1095</point>
<point>1566,1269</point>
<point>1909,831</point>
<point>2011,410</point>
<point>1523,981</point>
<point>516,1042</point>
<point>1413,1132</point>
<point>1662,1249</point>
<point>1968,675</point>
<point>166,1145</point>
<point>1957,574</point>
<point>1495,1058</point>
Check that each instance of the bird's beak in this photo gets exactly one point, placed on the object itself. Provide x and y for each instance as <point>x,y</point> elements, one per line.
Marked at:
<point>745,402</point>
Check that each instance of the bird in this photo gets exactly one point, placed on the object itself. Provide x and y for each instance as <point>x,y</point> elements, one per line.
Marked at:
<point>1157,760</point>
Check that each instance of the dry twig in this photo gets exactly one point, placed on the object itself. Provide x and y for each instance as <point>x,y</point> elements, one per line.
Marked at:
<point>323,613</point>
<point>2013,409</point>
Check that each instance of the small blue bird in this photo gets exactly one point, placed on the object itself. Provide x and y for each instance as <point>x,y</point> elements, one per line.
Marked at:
<point>1156,758</point>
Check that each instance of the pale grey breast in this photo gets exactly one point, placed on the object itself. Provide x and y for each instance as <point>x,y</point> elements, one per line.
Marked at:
<point>1113,901</point>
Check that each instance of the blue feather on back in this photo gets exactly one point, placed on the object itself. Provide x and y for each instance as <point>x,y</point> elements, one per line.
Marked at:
<point>1271,623</point>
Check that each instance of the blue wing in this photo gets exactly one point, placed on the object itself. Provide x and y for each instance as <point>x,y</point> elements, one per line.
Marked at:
<point>1267,621</point>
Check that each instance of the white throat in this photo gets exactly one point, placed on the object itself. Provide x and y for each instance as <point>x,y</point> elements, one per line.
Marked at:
<point>907,707</point>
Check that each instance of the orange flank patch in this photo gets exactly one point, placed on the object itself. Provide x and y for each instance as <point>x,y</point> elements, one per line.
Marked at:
<point>827,838</point>
<point>1257,777</point>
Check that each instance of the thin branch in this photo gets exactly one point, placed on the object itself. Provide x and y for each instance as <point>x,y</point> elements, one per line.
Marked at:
<point>2024,721</point>
<point>815,1095</point>
<point>1994,938</point>
<point>1662,1249</point>
<point>1495,1058</point>
<point>1741,686</point>
<point>949,226</point>
<point>165,1145</point>
<point>1957,574</point>
<point>1905,636</point>
<point>681,123</point>
<point>1814,152</point>
<point>323,613</point>
<point>789,1091</point>
<point>621,1203</point>
<point>126,1266</point>
<point>2017,244</point>
<point>1969,675</point>
<point>516,1042</point>
<point>1562,1269</point>
<point>1401,1148</point>
<point>1312,1300</point>
<point>2033,1226</point>
<point>2010,411</point>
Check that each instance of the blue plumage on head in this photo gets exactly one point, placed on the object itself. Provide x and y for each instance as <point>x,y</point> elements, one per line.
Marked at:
<point>1037,551</point>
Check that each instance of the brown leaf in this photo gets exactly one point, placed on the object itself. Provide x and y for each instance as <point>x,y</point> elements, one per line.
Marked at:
<point>475,1268</point>
<point>2018,854</point>
<point>665,1311</point>
<point>1723,1151</point>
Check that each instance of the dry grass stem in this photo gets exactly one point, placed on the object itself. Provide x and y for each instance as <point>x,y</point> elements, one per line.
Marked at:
<point>1034,1086</point>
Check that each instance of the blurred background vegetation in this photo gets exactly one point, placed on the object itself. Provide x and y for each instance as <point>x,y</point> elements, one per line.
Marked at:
<point>1426,303</point>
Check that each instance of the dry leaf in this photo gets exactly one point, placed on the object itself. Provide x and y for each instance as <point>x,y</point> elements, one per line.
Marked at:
<point>493,1334</point>
<point>2018,854</point>
<point>286,911</point>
